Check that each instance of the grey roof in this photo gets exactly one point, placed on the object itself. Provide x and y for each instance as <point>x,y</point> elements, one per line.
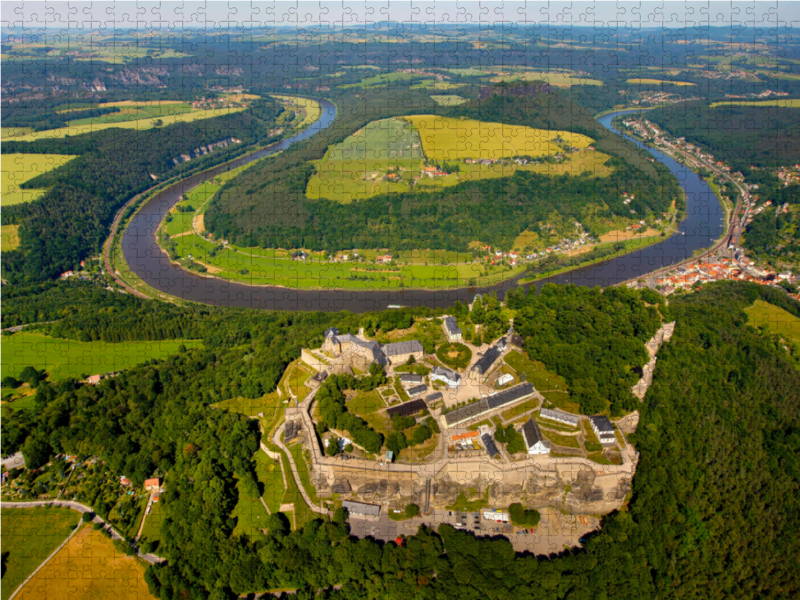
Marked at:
<point>532,433</point>
<point>559,415</point>
<point>486,404</point>
<point>360,508</point>
<point>398,348</point>
<point>411,378</point>
<point>407,408</point>
<point>488,443</point>
<point>451,325</point>
<point>417,390</point>
<point>433,397</point>
<point>448,373</point>
<point>487,360</point>
<point>330,332</point>
<point>602,424</point>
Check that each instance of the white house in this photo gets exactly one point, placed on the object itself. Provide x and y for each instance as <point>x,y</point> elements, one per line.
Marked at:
<point>603,428</point>
<point>451,378</point>
<point>533,438</point>
<point>560,416</point>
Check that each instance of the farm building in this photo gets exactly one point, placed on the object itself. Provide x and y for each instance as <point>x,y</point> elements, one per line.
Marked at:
<point>448,376</point>
<point>411,379</point>
<point>560,416</point>
<point>451,329</point>
<point>407,408</point>
<point>476,409</point>
<point>603,428</point>
<point>534,440</point>
<point>488,443</point>
<point>398,353</point>
<point>362,509</point>
<point>433,397</point>
<point>416,390</point>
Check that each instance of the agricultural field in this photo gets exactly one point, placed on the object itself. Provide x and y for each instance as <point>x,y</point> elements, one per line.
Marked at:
<point>9,237</point>
<point>647,81</point>
<point>777,320</point>
<point>386,156</point>
<point>30,535</point>
<point>382,79</point>
<point>133,112</point>
<point>787,103</point>
<point>383,157</point>
<point>65,359</point>
<point>86,568</point>
<point>449,100</point>
<point>12,132</point>
<point>561,80</point>
<point>141,124</point>
<point>445,138</point>
<point>19,168</point>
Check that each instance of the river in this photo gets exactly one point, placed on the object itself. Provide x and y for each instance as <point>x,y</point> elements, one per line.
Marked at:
<point>703,225</point>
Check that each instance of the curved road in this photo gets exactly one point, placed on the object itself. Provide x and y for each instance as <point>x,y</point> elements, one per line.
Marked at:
<point>81,508</point>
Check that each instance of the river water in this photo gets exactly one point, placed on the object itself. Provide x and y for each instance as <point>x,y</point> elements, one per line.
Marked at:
<point>703,225</point>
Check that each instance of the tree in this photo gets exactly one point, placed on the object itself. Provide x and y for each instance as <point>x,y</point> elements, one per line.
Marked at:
<point>478,313</point>
<point>10,382</point>
<point>411,360</point>
<point>400,422</point>
<point>412,510</point>
<point>421,434</point>
<point>332,449</point>
<point>523,517</point>
<point>87,516</point>
<point>36,452</point>
<point>396,442</point>
<point>31,376</point>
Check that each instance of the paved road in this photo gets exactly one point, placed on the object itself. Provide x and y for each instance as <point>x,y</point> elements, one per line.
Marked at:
<point>81,508</point>
<point>17,328</point>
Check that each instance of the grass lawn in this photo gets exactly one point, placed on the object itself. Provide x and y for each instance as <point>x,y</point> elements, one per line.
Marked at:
<point>367,405</point>
<point>64,359</point>
<point>535,372</point>
<point>451,100</point>
<point>270,475</point>
<point>9,237</point>
<point>296,380</point>
<point>29,536</point>
<point>590,439</point>
<point>568,441</point>
<point>251,406</point>
<point>152,524</point>
<point>302,513</point>
<point>96,570</point>
<point>602,459</point>
<point>547,423</point>
<point>304,471</point>
<point>462,503</point>
<point>19,168</point>
<point>775,319</point>
<point>515,411</point>
<point>556,79</point>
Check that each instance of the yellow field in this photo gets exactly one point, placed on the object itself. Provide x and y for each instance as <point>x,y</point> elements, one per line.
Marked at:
<point>658,82</point>
<point>12,132</point>
<point>556,79</point>
<point>140,125</point>
<point>88,567</point>
<point>789,103</point>
<point>9,237</point>
<point>312,108</point>
<point>444,138</point>
<point>19,168</point>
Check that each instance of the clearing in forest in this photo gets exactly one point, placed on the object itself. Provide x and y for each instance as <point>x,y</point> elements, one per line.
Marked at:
<point>776,319</point>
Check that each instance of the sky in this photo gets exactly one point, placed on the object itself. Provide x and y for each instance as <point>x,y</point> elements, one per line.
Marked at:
<point>252,15</point>
<point>41,14</point>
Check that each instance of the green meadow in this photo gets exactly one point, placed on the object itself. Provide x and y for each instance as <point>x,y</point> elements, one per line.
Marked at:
<point>65,359</point>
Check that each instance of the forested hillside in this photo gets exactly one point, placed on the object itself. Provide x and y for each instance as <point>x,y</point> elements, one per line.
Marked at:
<point>740,136</point>
<point>713,515</point>
<point>71,220</point>
<point>267,206</point>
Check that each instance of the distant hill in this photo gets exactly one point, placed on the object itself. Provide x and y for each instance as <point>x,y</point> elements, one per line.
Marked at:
<point>762,136</point>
